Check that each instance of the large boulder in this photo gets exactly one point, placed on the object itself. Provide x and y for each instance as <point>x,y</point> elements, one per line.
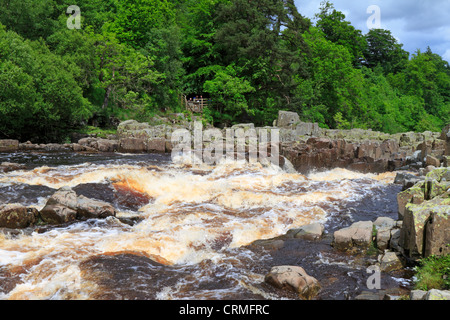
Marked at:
<point>135,137</point>
<point>414,195</point>
<point>65,206</point>
<point>99,144</point>
<point>390,261</point>
<point>435,294</point>
<point>357,236</point>
<point>293,278</point>
<point>425,208</point>
<point>431,215</point>
<point>437,231</point>
<point>132,145</point>
<point>9,166</point>
<point>312,231</point>
<point>16,216</point>
<point>407,180</point>
<point>287,118</point>
<point>9,145</point>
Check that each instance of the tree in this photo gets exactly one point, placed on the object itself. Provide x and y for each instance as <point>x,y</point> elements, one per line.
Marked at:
<point>42,98</point>
<point>260,40</point>
<point>32,19</point>
<point>333,87</point>
<point>336,29</point>
<point>227,92</point>
<point>384,50</point>
<point>426,77</point>
<point>135,18</point>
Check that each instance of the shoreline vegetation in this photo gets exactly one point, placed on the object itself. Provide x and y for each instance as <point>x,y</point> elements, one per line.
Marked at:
<point>247,60</point>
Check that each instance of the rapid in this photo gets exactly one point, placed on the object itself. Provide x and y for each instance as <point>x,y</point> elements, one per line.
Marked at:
<point>193,231</point>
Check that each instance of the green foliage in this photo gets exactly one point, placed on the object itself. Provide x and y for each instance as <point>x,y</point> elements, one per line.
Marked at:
<point>41,97</point>
<point>383,50</point>
<point>135,18</point>
<point>332,23</point>
<point>433,273</point>
<point>133,59</point>
<point>227,92</point>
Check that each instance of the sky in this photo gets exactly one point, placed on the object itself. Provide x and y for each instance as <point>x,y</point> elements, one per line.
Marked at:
<point>416,24</point>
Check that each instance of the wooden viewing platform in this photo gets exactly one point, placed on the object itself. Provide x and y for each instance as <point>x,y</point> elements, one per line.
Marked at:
<point>194,105</point>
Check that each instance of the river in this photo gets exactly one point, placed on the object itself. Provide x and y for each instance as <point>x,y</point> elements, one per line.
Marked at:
<point>194,228</point>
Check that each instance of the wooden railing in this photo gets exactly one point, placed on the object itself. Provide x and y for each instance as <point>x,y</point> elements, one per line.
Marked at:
<point>194,105</point>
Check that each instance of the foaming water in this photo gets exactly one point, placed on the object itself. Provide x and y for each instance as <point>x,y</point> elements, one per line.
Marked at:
<point>196,225</point>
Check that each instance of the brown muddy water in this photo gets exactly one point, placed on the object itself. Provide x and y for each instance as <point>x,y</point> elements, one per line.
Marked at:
<point>193,233</point>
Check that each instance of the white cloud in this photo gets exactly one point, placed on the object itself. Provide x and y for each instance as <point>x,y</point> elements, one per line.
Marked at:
<point>416,23</point>
<point>446,55</point>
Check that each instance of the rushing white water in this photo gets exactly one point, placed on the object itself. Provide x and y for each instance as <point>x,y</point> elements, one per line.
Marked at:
<point>195,214</point>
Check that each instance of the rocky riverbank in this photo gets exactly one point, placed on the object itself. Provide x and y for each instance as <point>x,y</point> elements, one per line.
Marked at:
<point>421,229</point>
<point>305,145</point>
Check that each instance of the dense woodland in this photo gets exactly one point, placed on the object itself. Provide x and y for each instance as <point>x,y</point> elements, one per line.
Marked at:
<point>133,59</point>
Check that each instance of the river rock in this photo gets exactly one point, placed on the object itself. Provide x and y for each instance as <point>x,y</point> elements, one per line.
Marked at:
<point>16,216</point>
<point>58,214</point>
<point>384,223</point>
<point>390,261</point>
<point>89,208</point>
<point>9,145</point>
<point>437,235</point>
<point>432,161</point>
<point>326,153</point>
<point>135,137</point>
<point>8,167</point>
<point>287,118</point>
<point>312,231</point>
<point>407,180</point>
<point>98,144</point>
<point>244,126</point>
<point>269,244</point>
<point>417,295</point>
<point>65,206</point>
<point>386,228</point>
<point>383,238</point>
<point>132,145</point>
<point>414,195</point>
<point>358,235</point>
<point>435,294</point>
<point>415,222</point>
<point>394,240</point>
<point>293,278</point>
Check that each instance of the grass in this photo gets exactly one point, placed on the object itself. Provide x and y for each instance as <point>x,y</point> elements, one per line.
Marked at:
<point>433,273</point>
<point>98,132</point>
